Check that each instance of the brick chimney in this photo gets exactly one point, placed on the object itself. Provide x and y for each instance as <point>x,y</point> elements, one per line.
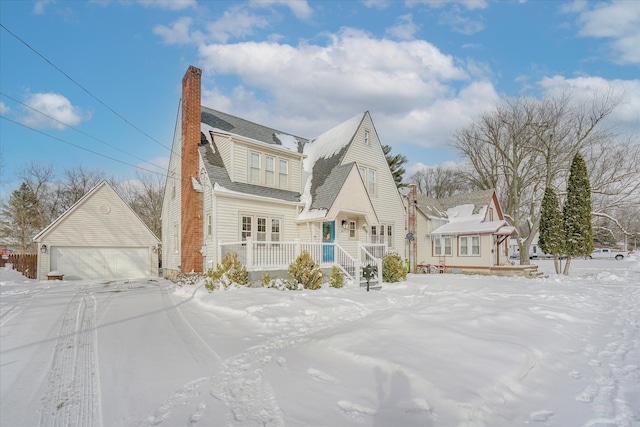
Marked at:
<point>191,203</point>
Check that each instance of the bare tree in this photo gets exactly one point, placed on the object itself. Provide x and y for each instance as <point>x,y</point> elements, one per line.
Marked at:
<point>526,144</point>
<point>145,195</point>
<point>38,177</point>
<point>441,181</point>
<point>76,183</point>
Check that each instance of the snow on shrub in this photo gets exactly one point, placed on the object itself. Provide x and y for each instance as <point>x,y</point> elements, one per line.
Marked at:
<point>306,272</point>
<point>231,271</point>
<point>393,268</point>
<point>279,283</point>
<point>336,280</point>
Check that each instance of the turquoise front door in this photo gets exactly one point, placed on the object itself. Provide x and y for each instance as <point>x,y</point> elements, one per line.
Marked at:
<point>328,236</point>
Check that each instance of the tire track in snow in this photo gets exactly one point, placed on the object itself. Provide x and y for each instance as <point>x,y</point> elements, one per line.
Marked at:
<point>240,383</point>
<point>9,311</point>
<point>72,393</point>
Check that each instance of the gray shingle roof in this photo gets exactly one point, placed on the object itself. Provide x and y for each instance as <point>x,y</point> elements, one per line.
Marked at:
<point>242,127</point>
<point>325,193</point>
<point>438,207</point>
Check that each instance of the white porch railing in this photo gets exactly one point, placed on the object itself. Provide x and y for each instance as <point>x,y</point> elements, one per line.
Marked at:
<point>270,255</point>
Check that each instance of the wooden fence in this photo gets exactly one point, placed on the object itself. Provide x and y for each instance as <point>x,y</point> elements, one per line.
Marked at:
<point>27,264</point>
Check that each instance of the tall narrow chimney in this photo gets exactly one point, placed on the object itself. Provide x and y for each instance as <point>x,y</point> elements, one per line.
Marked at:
<point>191,204</point>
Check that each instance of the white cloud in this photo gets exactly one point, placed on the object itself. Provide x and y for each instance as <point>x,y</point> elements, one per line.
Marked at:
<point>625,117</point>
<point>461,23</point>
<point>178,33</point>
<point>409,86</point>
<point>377,4</point>
<point>617,21</point>
<point>55,106</point>
<point>169,4</point>
<point>3,108</point>
<point>469,4</point>
<point>405,29</point>
<point>235,22</point>
<point>38,7</point>
<point>300,8</point>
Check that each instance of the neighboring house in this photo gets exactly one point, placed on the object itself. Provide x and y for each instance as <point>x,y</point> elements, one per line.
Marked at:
<point>99,237</point>
<point>463,233</point>
<point>535,252</point>
<point>237,186</point>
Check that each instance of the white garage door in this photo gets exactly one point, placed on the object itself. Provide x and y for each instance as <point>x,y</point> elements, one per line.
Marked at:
<point>100,263</point>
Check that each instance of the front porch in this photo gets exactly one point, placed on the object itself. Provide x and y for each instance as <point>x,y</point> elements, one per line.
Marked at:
<point>263,256</point>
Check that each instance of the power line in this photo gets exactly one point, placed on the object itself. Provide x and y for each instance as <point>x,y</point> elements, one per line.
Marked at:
<point>71,127</point>
<point>84,148</point>
<point>87,91</point>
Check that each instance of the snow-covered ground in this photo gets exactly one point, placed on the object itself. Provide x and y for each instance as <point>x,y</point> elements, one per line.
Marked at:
<point>436,350</point>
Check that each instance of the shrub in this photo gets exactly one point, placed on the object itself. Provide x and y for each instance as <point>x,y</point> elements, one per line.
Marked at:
<point>306,272</point>
<point>189,278</point>
<point>336,280</point>
<point>393,268</point>
<point>229,272</point>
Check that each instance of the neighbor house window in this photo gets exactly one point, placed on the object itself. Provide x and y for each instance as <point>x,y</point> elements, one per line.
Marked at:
<point>469,245</point>
<point>283,174</point>
<point>254,168</point>
<point>442,245</point>
<point>269,170</point>
<point>352,229</point>
<point>490,214</point>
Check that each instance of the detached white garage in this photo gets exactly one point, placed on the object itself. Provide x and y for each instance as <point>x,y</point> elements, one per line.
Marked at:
<point>99,237</point>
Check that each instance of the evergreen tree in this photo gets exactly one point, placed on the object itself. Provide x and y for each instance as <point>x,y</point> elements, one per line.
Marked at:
<point>395,163</point>
<point>20,218</point>
<point>551,238</point>
<point>577,212</point>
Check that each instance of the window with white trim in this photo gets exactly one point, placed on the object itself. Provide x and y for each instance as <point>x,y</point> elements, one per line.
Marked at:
<point>389,236</point>
<point>254,167</point>
<point>366,137</point>
<point>283,174</point>
<point>442,245</point>
<point>261,234</point>
<point>374,234</point>
<point>269,170</point>
<point>369,177</point>
<point>352,229</point>
<point>382,234</point>
<point>246,227</point>
<point>275,229</point>
<point>469,245</point>
<point>176,239</point>
<point>209,225</point>
<point>260,228</point>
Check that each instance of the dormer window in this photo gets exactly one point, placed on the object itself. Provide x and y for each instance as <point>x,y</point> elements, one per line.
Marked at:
<point>254,168</point>
<point>283,174</point>
<point>269,170</point>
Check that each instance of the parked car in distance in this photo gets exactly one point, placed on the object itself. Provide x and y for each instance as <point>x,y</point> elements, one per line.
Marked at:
<point>606,253</point>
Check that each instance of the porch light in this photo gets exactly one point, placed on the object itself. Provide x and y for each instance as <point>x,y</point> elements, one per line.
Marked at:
<point>345,224</point>
<point>43,249</point>
<point>154,249</point>
<point>365,226</point>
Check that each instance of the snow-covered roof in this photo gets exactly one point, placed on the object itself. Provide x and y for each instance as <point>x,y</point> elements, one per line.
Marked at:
<point>471,227</point>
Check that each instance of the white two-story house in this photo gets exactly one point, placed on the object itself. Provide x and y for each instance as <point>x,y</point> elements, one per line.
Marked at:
<point>237,186</point>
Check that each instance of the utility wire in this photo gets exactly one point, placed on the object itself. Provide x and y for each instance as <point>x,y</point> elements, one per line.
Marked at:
<point>87,91</point>
<point>84,148</point>
<point>72,127</point>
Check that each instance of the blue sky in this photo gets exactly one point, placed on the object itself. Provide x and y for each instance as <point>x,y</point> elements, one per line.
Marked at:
<point>422,68</point>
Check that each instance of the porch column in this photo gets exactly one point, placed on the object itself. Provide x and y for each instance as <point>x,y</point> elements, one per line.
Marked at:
<point>249,253</point>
